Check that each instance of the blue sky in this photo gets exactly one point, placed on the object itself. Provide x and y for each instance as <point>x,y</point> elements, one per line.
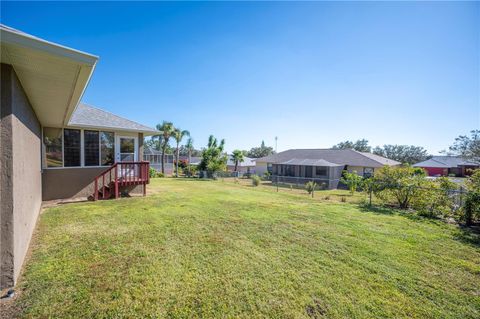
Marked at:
<point>313,74</point>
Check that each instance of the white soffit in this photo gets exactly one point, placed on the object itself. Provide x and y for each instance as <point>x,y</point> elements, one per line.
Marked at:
<point>54,77</point>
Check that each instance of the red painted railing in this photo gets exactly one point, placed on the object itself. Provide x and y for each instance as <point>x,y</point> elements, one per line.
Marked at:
<point>121,174</point>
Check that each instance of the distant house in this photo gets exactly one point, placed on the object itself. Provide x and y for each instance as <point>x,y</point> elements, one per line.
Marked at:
<point>448,165</point>
<point>245,167</point>
<point>322,165</point>
<point>155,158</point>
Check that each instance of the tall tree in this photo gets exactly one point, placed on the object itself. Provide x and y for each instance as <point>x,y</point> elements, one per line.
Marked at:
<point>237,157</point>
<point>408,154</point>
<point>166,129</point>
<point>189,148</point>
<point>359,145</point>
<point>178,135</point>
<point>213,158</point>
<point>467,146</point>
<point>262,151</point>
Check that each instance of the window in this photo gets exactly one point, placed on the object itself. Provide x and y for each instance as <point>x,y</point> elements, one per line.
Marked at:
<point>71,147</point>
<point>290,170</point>
<point>98,148</point>
<point>308,171</point>
<point>52,139</point>
<point>367,172</point>
<point>91,148</point>
<point>320,171</point>
<point>107,148</point>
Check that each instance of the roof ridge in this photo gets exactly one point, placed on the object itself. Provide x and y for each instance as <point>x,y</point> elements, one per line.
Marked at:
<point>362,153</point>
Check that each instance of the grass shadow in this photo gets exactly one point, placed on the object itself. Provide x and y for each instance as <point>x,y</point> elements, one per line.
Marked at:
<point>468,235</point>
<point>389,210</point>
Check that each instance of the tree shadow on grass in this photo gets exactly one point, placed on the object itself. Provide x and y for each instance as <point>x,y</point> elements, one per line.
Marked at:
<point>388,210</point>
<point>464,234</point>
<point>468,235</point>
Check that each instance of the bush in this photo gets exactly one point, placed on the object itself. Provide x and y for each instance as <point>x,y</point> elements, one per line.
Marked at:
<point>352,180</point>
<point>471,207</point>
<point>191,170</point>
<point>310,187</point>
<point>435,198</point>
<point>400,185</point>
<point>266,175</point>
<point>152,172</point>
<point>255,180</point>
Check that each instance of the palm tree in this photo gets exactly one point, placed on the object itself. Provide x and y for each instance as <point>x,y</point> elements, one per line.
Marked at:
<point>166,129</point>
<point>178,135</point>
<point>189,147</point>
<point>237,157</point>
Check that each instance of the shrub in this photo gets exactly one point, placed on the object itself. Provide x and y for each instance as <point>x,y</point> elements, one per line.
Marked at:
<point>352,180</point>
<point>471,207</point>
<point>310,187</point>
<point>343,199</point>
<point>255,180</point>
<point>152,172</point>
<point>266,175</point>
<point>190,170</point>
<point>400,185</point>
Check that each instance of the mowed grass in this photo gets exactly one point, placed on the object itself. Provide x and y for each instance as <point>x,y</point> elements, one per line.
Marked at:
<point>215,249</point>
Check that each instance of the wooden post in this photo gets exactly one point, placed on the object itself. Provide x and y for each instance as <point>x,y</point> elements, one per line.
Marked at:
<point>103,186</point>
<point>95,194</point>
<point>116,181</point>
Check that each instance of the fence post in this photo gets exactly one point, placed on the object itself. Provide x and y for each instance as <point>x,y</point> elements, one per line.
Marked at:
<point>370,195</point>
<point>276,179</point>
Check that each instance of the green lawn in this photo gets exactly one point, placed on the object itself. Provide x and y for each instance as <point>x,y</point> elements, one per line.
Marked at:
<point>221,249</point>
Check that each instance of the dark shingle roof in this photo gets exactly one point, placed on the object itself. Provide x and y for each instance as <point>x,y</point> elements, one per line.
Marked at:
<point>333,156</point>
<point>446,162</point>
<point>309,162</point>
<point>89,116</point>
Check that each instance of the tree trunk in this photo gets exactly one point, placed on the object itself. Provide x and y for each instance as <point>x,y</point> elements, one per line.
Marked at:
<point>189,162</point>
<point>163,159</point>
<point>176,164</point>
<point>236,165</point>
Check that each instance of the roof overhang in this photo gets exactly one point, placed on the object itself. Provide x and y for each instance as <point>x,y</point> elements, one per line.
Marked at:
<point>53,77</point>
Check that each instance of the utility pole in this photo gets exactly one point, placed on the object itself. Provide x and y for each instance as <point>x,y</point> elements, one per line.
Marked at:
<point>276,139</point>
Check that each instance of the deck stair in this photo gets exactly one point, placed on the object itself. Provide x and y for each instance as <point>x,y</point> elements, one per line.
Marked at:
<point>119,176</point>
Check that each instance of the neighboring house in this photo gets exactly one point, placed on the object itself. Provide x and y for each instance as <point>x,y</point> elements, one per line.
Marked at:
<point>245,167</point>
<point>322,165</point>
<point>448,165</point>
<point>155,158</point>
<point>51,145</point>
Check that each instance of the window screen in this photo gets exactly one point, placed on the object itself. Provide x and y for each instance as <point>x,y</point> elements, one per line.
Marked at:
<point>91,148</point>
<point>107,148</point>
<point>52,139</point>
<point>71,147</point>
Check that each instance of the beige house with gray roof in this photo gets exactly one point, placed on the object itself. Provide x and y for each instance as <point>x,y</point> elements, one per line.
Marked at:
<point>325,166</point>
<point>51,145</point>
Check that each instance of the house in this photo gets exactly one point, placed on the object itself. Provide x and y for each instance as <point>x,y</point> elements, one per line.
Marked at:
<point>448,165</point>
<point>245,167</point>
<point>52,146</point>
<point>325,166</point>
<point>154,157</point>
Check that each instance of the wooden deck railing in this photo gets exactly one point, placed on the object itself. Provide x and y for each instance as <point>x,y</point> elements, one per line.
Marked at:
<point>121,174</point>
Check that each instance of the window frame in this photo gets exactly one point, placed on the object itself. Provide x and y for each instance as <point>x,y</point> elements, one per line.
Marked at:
<point>82,151</point>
